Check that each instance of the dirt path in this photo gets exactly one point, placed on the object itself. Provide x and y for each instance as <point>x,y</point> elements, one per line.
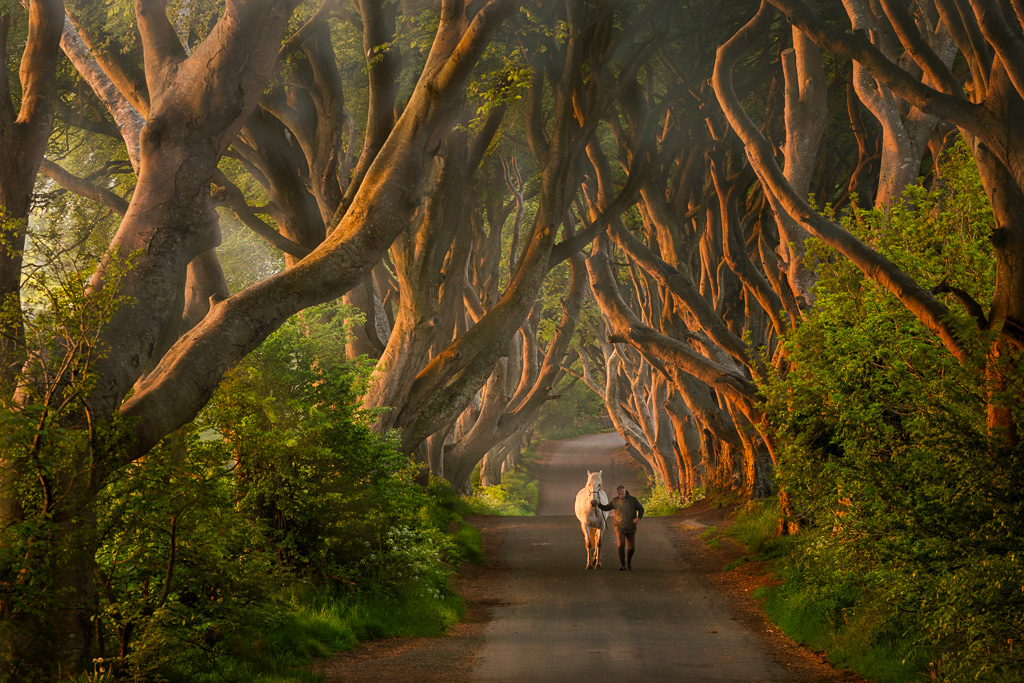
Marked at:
<point>535,613</point>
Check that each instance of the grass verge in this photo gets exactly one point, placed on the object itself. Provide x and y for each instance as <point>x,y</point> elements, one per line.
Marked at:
<point>660,501</point>
<point>829,614</point>
<point>316,625</point>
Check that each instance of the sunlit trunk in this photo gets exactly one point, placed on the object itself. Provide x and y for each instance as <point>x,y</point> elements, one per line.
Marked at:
<point>1006,314</point>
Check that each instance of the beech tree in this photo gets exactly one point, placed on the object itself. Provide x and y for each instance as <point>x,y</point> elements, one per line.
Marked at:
<point>710,303</point>
<point>443,358</point>
<point>194,103</point>
<point>24,130</point>
<point>979,103</point>
<point>684,396</point>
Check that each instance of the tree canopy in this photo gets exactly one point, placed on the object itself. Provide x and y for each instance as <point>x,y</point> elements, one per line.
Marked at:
<point>778,242</point>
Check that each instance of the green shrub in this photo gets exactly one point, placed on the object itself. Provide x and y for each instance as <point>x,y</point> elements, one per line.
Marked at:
<point>512,499</point>
<point>516,495</point>
<point>274,529</point>
<point>859,627</point>
<point>884,446</point>
<point>662,501</point>
<point>315,624</point>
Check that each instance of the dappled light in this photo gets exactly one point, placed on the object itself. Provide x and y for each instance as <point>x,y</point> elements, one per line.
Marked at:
<point>298,295</point>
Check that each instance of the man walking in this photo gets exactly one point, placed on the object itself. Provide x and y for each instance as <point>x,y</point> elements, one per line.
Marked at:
<point>628,511</point>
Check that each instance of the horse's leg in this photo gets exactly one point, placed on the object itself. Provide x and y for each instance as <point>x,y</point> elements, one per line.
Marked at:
<point>598,535</point>
<point>586,540</point>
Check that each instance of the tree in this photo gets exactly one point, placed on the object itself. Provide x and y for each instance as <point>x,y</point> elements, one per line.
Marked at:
<point>195,102</point>
<point>981,105</point>
<point>24,131</point>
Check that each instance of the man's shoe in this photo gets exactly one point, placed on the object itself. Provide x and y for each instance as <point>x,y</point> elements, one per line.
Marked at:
<point>622,567</point>
<point>629,567</point>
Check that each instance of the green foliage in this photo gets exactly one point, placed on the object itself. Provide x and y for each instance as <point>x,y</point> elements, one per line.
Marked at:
<point>10,6</point>
<point>180,566</point>
<point>857,631</point>
<point>516,495</point>
<point>49,447</point>
<point>469,540</point>
<point>76,227</point>
<point>757,523</point>
<point>447,510</point>
<point>662,501</point>
<point>190,19</point>
<point>336,502</point>
<point>275,528</point>
<point>919,537</point>
<point>839,618</point>
<point>505,83</point>
<point>314,624</point>
<point>577,412</point>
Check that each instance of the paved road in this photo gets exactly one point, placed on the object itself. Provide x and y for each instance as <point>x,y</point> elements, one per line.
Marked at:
<point>557,621</point>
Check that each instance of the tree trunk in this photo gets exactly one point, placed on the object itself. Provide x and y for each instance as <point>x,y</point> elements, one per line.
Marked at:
<point>24,133</point>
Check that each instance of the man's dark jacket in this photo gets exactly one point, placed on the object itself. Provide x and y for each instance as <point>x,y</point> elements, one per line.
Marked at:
<point>626,509</point>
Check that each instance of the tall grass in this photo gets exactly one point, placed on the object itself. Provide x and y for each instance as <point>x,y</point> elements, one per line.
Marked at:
<point>756,524</point>
<point>842,620</point>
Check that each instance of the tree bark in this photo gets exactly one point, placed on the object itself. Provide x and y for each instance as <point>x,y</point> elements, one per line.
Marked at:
<point>24,131</point>
<point>381,209</point>
<point>919,301</point>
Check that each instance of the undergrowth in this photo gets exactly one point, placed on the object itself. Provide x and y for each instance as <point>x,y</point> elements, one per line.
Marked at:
<point>314,622</point>
<point>836,616</point>
<point>901,457</point>
<point>661,501</point>
<point>314,625</point>
<point>515,496</point>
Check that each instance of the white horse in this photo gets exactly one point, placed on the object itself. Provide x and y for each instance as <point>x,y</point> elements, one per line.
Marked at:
<point>593,520</point>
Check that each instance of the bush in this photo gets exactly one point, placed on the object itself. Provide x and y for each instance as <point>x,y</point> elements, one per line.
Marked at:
<point>919,536</point>
<point>516,495</point>
<point>662,501</point>
<point>275,528</point>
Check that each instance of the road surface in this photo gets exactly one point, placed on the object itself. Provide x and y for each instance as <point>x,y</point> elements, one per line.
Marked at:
<point>561,622</point>
<point>536,614</point>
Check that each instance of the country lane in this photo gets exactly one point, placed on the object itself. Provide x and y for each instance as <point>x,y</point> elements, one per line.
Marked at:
<point>536,614</point>
<point>554,620</point>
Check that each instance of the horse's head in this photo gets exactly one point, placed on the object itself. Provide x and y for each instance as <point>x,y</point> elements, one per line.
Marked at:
<point>594,482</point>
